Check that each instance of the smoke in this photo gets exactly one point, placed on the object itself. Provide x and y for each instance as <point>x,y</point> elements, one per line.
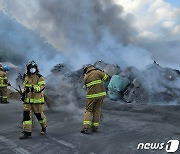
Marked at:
<point>165,53</point>
<point>19,45</point>
<point>162,84</point>
<point>86,31</point>
<point>64,92</point>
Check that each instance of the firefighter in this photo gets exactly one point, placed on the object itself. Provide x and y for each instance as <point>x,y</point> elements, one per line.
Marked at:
<point>95,93</point>
<point>33,99</point>
<point>3,83</point>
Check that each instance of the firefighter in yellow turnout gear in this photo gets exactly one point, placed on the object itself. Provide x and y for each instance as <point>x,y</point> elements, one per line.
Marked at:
<point>3,84</point>
<point>95,94</point>
<point>34,85</point>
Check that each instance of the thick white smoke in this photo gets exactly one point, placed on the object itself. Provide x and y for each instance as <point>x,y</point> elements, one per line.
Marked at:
<point>19,45</point>
<point>84,30</point>
<point>87,31</point>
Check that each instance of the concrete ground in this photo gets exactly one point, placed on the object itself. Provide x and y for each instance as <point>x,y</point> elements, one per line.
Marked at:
<point>123,127</point>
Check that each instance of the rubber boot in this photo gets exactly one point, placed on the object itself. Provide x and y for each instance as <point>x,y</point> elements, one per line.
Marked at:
<point>43,131</point>
<point>86,130</point>
<point>26,135</point>
<point>4,102</point>
<point>94,129</point>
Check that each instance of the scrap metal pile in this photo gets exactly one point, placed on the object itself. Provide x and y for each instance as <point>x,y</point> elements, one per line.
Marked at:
<point>155,84</point>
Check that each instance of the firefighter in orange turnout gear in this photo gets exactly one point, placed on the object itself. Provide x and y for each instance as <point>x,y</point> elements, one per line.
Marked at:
<point>34,85</point>
<point>95,94</point>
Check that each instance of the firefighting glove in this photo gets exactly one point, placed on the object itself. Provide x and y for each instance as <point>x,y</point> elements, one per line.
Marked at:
<point>9,84</point>
<point>27,90</point>
<point>32,89</point>
<point>23,96</point>
<point>5,81</point>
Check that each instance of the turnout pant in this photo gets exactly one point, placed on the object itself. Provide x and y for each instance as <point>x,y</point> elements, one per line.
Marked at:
<point>38,110</point>
<point>92,113</point>
<point>3,94</point>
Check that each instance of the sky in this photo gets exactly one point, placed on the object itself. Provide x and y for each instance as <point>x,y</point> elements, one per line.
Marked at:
<point>174,2</point>
<point>155,19</point>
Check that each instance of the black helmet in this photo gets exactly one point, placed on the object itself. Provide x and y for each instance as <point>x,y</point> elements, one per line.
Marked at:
<point>85,67</point>
<point>32,64</point>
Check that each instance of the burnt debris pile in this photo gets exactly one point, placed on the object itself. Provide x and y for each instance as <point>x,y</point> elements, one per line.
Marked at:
<point>65,86</point>
<point>153,85</point>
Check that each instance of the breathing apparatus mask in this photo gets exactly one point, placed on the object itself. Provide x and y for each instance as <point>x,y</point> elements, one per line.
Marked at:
<point>32,67</point>
<point>32,70</point>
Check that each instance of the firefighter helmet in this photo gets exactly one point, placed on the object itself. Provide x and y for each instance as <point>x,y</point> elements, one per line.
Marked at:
<point>32,64</point>
<point>85,67</point>
<point>6,68</point>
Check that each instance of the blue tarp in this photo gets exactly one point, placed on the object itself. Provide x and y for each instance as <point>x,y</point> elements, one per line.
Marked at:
<point>114,95</point>
<point>117,85</point>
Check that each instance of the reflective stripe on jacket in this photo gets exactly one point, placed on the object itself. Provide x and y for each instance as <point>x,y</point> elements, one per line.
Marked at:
<point>36,81</point>
<point>3,78</point>
<point>93,80</point>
